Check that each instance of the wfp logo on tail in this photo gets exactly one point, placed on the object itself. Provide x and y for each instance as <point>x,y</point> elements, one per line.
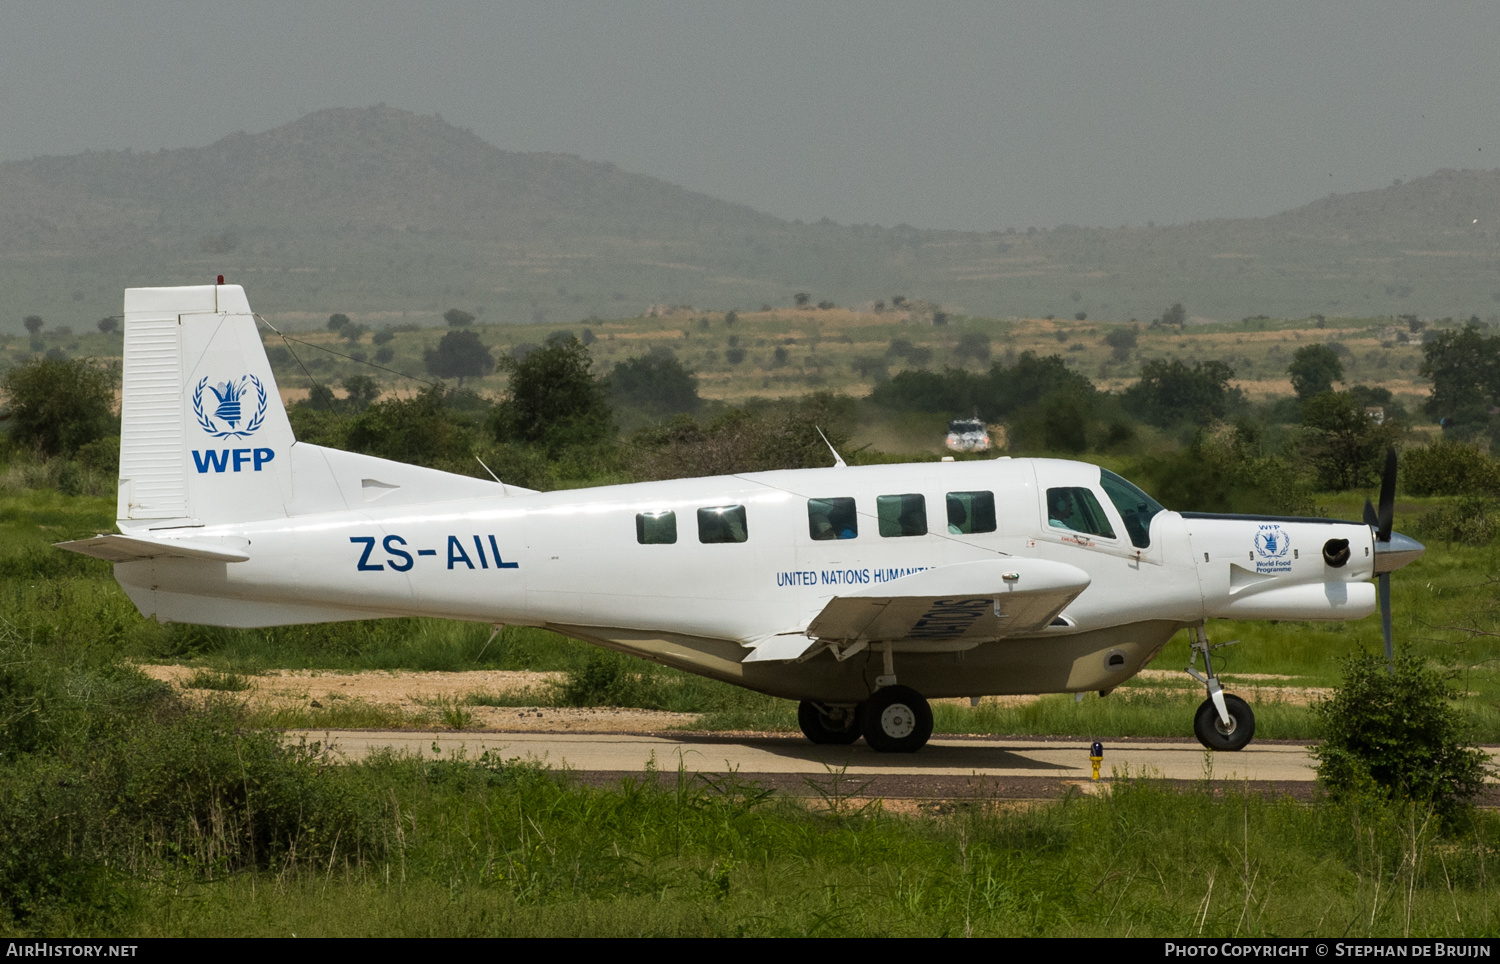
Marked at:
<point>228,421</point>
<point>230,410</point>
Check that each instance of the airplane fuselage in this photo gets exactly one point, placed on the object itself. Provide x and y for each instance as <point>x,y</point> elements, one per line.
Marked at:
<point>583,562</point>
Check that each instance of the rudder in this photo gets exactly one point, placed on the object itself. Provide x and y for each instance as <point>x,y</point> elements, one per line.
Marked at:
<point>204,437</point>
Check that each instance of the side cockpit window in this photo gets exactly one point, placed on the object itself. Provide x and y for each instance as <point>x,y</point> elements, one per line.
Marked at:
<point>722,523</point>
<point>1077,510</point>
<point>971,512</point>
<point>656,528</point>
<point>1136,508</point>
<point>832,519</point>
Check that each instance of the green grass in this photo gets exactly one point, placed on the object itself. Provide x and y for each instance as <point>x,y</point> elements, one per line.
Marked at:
<point>493,848</point>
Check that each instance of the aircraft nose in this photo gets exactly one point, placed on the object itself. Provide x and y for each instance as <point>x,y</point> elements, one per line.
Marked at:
<point>1399,551</point>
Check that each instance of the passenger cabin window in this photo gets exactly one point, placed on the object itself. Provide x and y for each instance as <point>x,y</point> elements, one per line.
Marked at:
<point>901,515</point>
<point>1079,511</point>
<point>1137,509</point>
<point>832,519</point>
<point>656,528</point>
<point>722,523</point>
<point>971,512</point>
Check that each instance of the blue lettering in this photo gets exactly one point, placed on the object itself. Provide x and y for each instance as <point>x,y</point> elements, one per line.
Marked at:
<point>495,548</point>
<point>484,562</point>
<point>262,456</point>
<point>391,543</point>
<point>364,557</point>
<point>241,456</point>
<point>219,461</point>
<point>456,553</point>
<point>426,552</point>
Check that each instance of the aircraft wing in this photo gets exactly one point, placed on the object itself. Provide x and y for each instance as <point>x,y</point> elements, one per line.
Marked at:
<point>975,601</point>
<point>116,548</point>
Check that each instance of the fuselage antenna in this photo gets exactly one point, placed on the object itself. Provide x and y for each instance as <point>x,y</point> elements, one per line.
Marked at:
<point>488,469</point>
<point>838,460</point>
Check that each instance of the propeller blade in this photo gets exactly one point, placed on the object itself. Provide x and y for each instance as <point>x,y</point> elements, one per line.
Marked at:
<point>1388,496</point>
<point>1371,519</point>
<point>1385,619</point>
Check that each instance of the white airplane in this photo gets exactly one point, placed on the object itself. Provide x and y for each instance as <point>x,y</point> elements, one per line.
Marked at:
<point>826,585</point>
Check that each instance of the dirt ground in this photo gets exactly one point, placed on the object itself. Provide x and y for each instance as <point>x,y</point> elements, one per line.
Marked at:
<point>422,697</point>
<point>426,694</point>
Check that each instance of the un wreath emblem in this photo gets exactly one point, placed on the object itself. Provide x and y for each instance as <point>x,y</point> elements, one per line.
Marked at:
<point>229,413</point>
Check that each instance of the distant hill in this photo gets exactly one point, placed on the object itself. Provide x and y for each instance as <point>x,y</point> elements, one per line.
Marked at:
<point>390,216</point>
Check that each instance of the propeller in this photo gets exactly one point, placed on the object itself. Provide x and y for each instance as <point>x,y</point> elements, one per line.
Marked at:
<point>1381,521</point>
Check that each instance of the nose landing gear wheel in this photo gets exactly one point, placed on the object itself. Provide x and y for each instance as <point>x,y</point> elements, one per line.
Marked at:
<point>831,725</point>
<point>896,719</point>
<point>1212,732</point>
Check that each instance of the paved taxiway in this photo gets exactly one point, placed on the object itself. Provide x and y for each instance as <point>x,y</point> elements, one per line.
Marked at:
<point>792,755</point>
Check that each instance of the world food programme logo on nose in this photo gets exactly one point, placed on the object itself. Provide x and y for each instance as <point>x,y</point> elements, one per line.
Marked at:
<point>233,398</point>
<point>1272,542</point>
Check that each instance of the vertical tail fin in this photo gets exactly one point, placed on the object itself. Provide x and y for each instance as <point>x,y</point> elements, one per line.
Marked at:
<point>204,436</point>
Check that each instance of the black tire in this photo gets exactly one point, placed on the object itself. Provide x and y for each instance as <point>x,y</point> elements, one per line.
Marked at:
<point>1212,733</point>
<point>820,729</point>
<point>896,719</point>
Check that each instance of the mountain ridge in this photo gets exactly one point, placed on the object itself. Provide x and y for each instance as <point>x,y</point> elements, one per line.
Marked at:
<point>379,210</point>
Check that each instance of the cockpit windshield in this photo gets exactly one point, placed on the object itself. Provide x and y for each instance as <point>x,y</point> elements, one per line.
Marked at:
<point>1136,508</point>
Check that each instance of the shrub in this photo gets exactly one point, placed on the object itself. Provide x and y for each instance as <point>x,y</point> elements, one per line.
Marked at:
<point>1472,520</point>
<point>611,679</point>
<point>58,406</point>
<point>1396,734</point>
<point>1450,468</point>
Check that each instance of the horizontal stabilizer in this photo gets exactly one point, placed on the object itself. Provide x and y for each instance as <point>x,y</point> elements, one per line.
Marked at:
<point>113,548</point>
<point>970,601</point>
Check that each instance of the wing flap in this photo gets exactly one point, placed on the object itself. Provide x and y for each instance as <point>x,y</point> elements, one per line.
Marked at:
<point>974,601</point>
<point>117,548</point>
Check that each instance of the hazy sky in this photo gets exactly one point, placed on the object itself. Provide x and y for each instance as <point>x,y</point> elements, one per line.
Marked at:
<point>960,115</point>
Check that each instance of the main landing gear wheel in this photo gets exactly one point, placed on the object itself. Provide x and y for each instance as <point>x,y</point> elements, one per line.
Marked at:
<point>830,725</point>
<point>896,719</point>
<point>1214,734</point>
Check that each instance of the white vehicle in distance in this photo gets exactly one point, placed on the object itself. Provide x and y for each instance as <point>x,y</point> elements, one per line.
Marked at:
<point>967,435</point>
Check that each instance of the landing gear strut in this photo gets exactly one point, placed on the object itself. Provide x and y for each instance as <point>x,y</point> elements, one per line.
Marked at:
<point>1223,721</point>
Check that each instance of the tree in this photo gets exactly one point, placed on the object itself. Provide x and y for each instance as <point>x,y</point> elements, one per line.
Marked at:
<point>59,406</point>
<point>657,383</point>
<point>1314,369</point>
<point>352,333</point>
<point>458,319</point>
<point>1169,392</point>
<point>459,354</point>
<point>1343,444</point>
<point>1122,341</point>
<point>108,325</point>
<point>1464,366</point>
<point>34,324</point>
<point>973,346</point>
<point>362,391</point>
<point>1175,315</point>
<point>1393,731</point>
<point>338,322</point>
<point>422,430</point>
<point>801,298</point>
<point>554,399</point>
